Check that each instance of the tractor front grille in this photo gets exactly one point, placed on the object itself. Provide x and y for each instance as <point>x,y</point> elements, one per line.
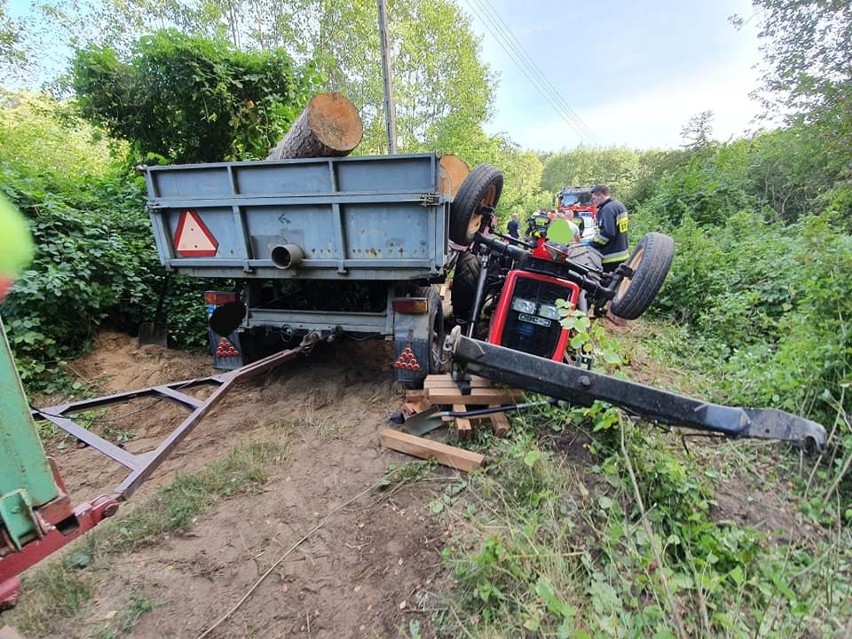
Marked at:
<point>530,322</point>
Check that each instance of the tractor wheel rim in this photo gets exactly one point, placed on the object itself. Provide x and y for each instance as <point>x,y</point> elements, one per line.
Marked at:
<point>487,200</point>
<point>634,263</point>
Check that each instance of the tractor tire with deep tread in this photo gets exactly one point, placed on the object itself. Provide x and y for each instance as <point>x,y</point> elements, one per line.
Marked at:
<point>482,187</point>
<point>436,328</point>
<point>463,288</point>
<point>650,261</point>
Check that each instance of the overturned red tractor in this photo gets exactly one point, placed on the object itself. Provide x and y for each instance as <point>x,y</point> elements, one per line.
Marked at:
<point>505,296</point>
<point>506,290</point>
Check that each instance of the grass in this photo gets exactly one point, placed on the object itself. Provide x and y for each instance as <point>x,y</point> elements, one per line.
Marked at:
<point>137,605</point>
<point>60,591</point>
<point>629,540</point>
<point>628,547</point>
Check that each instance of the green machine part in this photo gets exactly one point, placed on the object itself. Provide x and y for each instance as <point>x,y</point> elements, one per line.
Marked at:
<point>26,481</point>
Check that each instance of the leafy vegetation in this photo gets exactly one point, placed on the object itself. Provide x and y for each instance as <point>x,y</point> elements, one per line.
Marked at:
<point>627,538</point>
<point>95,264</point>
<point>591,525</point>
<point>206,100</point>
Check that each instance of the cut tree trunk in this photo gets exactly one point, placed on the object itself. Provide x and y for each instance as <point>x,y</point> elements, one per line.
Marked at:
<point>328,127</point>
<point>452,172</point>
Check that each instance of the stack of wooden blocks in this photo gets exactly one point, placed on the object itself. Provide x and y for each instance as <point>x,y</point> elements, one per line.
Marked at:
<point>444,391</point>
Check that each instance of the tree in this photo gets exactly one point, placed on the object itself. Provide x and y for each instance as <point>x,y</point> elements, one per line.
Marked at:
<point>11,41</point>
<point>442,89</point>
<point>806,50</point>
<point>33,128</point>
<point>807,78</point>
<point>808,64</point>
<point>190,99</point>
<point>697,132</point>
<point>617,167</point>
<point>522,192</point>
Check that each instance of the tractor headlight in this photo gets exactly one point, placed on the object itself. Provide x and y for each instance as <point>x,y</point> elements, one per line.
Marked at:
<point>524,306</point>
<point>549,311</point>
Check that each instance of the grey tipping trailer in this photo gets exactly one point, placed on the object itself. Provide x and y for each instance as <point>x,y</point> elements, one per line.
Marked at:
<point>331,246</point>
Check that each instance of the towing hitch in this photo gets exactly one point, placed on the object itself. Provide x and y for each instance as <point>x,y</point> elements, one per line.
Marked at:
<point>580,386</point>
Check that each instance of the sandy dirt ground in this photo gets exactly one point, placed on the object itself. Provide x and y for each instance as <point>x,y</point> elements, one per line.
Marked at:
<point>366,572</point>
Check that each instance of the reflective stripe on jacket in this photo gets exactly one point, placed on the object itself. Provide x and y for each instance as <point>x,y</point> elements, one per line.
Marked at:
<point>611,237</point>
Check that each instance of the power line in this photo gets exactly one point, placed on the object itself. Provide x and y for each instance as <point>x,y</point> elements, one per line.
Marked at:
<point>553,91</point>
<point>532,72</point>
<point>510,44</point>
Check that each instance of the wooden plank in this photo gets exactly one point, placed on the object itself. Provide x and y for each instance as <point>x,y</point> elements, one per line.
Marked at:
<point>482,396</point>
<point>448,378</point>
<point>463,427</point>
<point>424,449</point>
<point>446,381</point>
<point>500,422</point>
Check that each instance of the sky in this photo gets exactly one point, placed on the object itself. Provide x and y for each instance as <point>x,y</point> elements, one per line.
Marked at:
<point>633,71</point>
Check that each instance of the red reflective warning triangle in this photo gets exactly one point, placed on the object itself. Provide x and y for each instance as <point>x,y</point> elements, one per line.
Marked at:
<point>193,238</point>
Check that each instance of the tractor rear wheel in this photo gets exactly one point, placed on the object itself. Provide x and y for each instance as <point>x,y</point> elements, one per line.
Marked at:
<point>436,328</point>
<point>463,287</point>
<point>481,188</point>
<point>650,261</point>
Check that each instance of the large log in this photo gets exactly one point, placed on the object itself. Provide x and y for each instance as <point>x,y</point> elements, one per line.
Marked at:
<point>329,126</point>
<point>452,172</point>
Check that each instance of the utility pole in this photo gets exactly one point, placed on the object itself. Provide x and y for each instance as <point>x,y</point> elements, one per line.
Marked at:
<point>390,116</point>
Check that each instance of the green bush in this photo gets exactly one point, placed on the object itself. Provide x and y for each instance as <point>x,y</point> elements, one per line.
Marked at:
<point>192,99</point>
<point>96,263</point>
<point>92,264</point>
<point>95,266</point>
<point>769,303</point>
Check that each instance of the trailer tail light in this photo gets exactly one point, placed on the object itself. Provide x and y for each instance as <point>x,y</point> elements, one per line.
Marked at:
<point>410,305</point>
<point>407,361</point>
<point>217,298</point>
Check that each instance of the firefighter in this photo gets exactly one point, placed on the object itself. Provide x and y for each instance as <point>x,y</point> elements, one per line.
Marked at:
<point>611,236</point>
<point>537,224</point>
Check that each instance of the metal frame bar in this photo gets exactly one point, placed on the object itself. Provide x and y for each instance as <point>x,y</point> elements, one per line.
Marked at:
<point>141,466</point>
<point>582,387</point>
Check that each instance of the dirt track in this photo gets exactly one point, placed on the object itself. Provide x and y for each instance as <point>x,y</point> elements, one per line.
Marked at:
<point>363,573</point>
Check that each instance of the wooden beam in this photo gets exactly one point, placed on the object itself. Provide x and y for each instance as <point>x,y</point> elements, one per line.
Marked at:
<point>463,427</point>
<point>481,396</point>
<point>426,449</point>
<point>446,381</point>
<point>500,422</point>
